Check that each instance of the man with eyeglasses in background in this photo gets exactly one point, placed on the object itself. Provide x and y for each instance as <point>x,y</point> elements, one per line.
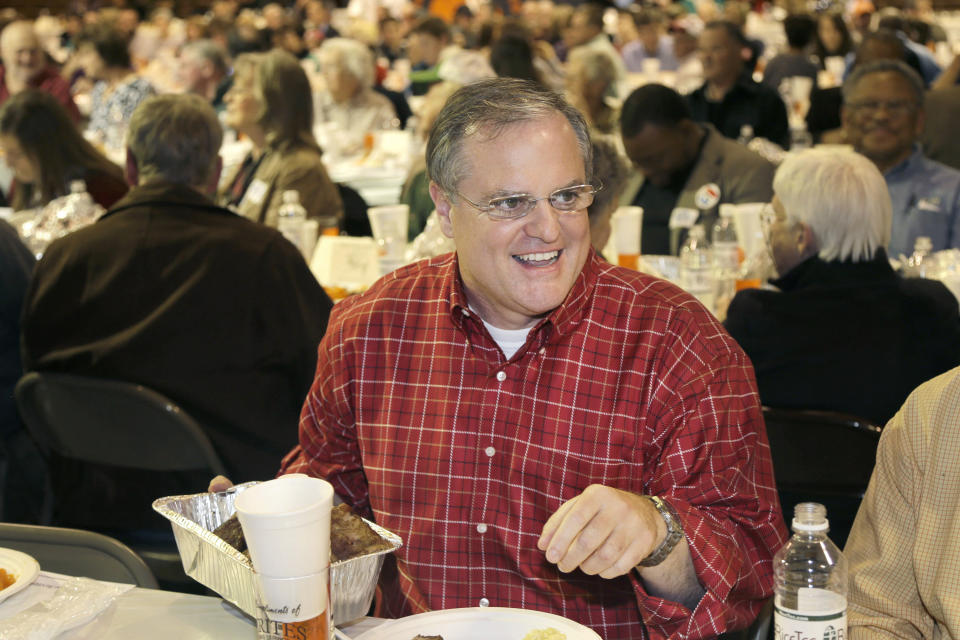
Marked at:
<point>543,429</point>
<point>883,118</point>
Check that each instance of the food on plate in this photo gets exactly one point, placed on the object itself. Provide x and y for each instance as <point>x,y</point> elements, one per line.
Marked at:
<point>350,536</point>
<point>545,634</point>
<point>6,579</point>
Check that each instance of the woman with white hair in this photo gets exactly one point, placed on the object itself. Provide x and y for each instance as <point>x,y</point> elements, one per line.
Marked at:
<point>843,331</point>
<point>349,104</point>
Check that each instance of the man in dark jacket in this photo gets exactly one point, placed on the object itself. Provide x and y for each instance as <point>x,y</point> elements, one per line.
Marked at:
<point>844,332</point>
<point>218,313</point>
<point>729,98</point>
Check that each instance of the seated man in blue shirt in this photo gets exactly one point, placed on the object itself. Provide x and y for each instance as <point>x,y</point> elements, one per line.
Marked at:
<point>882,118</point>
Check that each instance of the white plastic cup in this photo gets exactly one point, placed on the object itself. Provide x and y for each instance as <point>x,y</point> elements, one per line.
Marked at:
<point>749,226</point>
<point>650,67</point>
<point>389,224</point>
<point>627,227</point>
<point>286,523</point>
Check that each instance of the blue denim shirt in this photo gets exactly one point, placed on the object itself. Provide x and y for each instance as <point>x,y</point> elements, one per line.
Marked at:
<point>926,202</point>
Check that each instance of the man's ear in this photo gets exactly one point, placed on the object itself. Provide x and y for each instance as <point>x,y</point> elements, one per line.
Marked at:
<point>443,205</point>
<point>132,172</point>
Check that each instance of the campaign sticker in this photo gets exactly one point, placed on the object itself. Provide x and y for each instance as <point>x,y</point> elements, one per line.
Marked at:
<point>707,196</point>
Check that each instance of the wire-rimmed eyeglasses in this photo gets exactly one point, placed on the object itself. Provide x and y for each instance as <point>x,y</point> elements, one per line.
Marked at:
<point>516,205</point>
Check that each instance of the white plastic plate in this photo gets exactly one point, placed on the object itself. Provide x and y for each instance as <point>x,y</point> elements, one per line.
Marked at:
<point>478,623</point>
<point>19,564</point>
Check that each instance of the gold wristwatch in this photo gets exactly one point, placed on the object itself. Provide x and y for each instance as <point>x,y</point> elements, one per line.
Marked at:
<point>674,533</point>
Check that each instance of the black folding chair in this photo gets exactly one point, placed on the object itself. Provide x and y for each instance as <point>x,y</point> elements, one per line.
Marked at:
<point>75,416</point>
<point>825,457</point>
<point>78,553</point>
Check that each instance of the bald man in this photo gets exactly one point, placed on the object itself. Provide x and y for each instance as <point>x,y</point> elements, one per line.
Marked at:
<point>25,66</point>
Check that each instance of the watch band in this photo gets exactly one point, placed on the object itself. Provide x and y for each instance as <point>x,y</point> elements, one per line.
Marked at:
<point>674,533</point>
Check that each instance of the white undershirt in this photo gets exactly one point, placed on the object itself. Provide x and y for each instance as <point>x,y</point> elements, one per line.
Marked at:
<point>509,340</point>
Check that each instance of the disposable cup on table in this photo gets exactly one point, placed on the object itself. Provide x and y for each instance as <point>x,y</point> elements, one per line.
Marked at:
<point>286,523</point>
<point>627,223</point>
<point>749,226</point>
<point>389,224</point>
<point>293,607</point>
<point>651,67</point>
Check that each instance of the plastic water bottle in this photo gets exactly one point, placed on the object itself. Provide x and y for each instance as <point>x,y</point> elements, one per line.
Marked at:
<point>921,264</point>
<point>810,576</point>
<point>727,257</point>
<point>696,266</point>
<point>291,218</point>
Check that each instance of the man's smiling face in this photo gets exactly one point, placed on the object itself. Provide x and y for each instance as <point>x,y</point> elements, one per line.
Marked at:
<point>517,271</point>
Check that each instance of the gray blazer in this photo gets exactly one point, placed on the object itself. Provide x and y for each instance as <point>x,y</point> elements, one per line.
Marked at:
<point>741,175</point>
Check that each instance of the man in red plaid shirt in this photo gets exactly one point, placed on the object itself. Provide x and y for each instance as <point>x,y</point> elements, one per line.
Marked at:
<point>543,429</point>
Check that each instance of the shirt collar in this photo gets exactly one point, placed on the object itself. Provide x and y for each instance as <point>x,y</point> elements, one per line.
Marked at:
<point>166,194</point>
<point>909,163</point>
<point>814,270</point>
<point>563,319</point>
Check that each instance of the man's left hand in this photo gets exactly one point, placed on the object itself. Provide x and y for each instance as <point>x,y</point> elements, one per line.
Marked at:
<point>603,531</point>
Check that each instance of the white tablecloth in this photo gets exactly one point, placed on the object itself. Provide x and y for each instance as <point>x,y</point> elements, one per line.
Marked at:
<point>150,614</point>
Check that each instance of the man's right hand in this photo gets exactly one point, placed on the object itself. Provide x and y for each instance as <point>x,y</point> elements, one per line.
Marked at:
<point>220,483</point>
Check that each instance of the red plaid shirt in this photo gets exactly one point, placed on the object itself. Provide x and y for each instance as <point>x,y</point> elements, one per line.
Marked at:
<point>416,416</point>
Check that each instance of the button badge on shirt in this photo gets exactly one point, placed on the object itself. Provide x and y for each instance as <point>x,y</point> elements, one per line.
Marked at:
<point>929,204</point>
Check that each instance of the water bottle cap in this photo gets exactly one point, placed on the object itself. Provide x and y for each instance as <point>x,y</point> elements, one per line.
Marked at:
<point>727,210</point>
<point>806,526</point>
<point>291,196</point>
<point>77,186</point>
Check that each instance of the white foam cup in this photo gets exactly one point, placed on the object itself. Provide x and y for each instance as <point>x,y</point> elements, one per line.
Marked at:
<point>627,226</point>
<point>286,523</point>
<point>389,224</point>
<point>746,220</point>
<point>292,599</point>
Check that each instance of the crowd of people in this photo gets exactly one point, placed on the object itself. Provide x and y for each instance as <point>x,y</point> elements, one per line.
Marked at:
<point>542,428</point>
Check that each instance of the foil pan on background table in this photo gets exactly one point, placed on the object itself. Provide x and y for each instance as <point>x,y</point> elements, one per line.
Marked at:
<point>218,566</point>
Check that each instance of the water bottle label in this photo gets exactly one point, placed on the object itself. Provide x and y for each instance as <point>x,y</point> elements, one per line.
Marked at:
<point>793,625</point>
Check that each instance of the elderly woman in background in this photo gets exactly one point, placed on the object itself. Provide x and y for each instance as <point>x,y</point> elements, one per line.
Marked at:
<point>349,104</point>
<point>46,153</point>
<point>270,104</point>
<point>591,77</point>
<point>104,55</point>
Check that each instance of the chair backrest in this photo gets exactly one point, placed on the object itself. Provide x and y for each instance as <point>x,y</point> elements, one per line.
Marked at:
<point>355,221</point>
<point>78,553</point>
<point>112,422</point>
<point>822,456</point>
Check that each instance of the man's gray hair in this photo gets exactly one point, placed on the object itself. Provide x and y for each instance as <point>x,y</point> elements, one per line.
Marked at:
<point>490,106</point>
<point>841,196</point>
<point>351,55</point>
<point>175,138</point>
<point>879,66</point>
<point>210,51</point>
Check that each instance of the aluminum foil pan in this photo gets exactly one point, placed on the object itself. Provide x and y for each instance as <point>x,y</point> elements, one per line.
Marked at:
<point>218,566</point>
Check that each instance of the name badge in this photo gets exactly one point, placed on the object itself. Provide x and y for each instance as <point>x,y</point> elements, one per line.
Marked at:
<point>256,192</point>
<point>929,204</point>
<point>707,196</point>
<point>683,218</point>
